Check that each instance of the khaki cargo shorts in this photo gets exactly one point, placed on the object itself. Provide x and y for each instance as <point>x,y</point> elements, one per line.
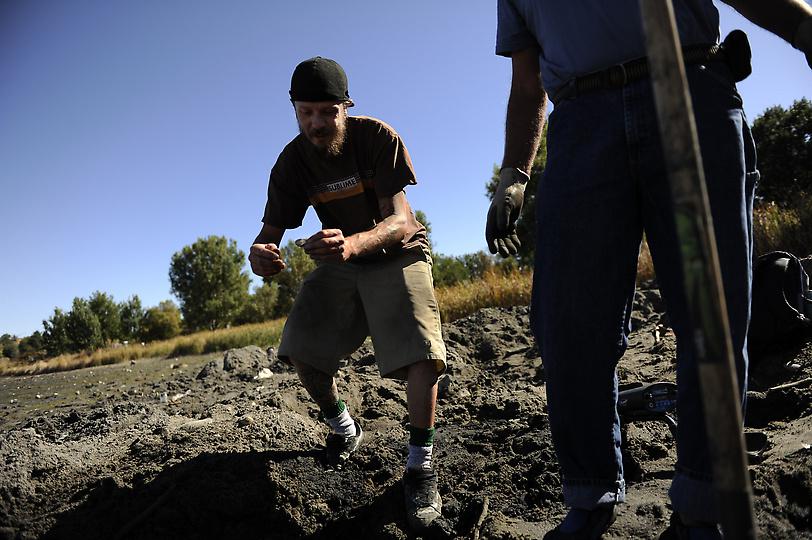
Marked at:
<point>339,305</point>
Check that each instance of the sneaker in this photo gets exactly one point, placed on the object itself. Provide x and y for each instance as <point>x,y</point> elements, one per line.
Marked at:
<point>340,447</point>
<point>597,523</point>
<point>423,504</point>
<point>678,530</point>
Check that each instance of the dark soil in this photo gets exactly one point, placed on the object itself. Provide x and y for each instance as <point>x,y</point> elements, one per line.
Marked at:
<point>200,448</point>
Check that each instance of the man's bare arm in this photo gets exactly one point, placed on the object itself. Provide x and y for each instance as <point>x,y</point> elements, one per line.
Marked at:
<point>781,17</point>
<point>331,244</point>
<point>525,111</point>
<point>396,213</point>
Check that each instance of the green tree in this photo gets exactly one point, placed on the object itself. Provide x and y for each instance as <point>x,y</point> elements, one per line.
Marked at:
<point>161,322</point>
<point>289,280</point>
<point>208,280</point>
<point>260,305</point>
<point>83,327</point>
<point>477,264</point>
<point>422,218</point>
<point>526,225</point>
<point>32,347</point>
<point>448,270</point>
<point>109,315</point>
<point>784,150</point>
<point>55,335</point>
<point>9,346</point>
<point>131,315</point>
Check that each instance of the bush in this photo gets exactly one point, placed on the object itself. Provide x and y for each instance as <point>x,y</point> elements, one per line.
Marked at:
<point>260,306</point>
<point>107,312</point>
<point>289,280</point>
<point>9,348</point>
<point>32,347</point>
<point>447,270</point>
<point>131,316</point>
<point>55,335</point>
<point>208,279</point>
<point>83,327</point>
<point>161,322</point>
<point>784,149</point>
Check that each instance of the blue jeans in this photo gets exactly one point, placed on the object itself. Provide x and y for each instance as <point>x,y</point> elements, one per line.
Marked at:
<point>604,184</point>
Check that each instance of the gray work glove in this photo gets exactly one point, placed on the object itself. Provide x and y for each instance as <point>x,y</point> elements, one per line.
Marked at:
<point>803,39</point>
<point>506,207</point>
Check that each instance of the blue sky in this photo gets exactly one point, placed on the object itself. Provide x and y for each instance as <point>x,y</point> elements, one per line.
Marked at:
<point>130,129</point>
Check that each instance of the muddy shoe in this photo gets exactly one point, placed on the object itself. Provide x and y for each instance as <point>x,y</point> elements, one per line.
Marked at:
<point>596,523</point>
<point>677,530</point>
<point>340,447</point>
<point>423,504</point>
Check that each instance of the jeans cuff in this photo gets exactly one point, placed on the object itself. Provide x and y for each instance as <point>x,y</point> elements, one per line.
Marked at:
<point>693,498</point>
<point>587,494</point>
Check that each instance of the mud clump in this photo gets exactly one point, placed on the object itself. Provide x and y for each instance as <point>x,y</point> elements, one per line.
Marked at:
<point>230,446</point>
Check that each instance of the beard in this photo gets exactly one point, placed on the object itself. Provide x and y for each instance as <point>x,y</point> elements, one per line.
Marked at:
<point>334,138</point>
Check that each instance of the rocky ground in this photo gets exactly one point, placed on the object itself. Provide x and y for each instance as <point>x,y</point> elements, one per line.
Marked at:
<point>229,446</point>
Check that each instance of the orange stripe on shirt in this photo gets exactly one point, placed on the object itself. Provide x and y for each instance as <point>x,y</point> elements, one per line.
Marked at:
<point>321,198</point>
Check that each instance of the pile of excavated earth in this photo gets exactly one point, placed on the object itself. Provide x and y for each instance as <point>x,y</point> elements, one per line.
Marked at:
<point>229,446</point>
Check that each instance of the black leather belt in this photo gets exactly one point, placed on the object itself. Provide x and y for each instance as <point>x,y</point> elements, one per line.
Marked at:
<point>622,74</point>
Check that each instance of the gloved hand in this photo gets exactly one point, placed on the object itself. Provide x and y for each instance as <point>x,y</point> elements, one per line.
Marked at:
<point>500,230</point>
<point>803,39</point>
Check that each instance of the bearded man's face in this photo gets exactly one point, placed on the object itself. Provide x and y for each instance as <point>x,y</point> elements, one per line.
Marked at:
<point>324,124</point>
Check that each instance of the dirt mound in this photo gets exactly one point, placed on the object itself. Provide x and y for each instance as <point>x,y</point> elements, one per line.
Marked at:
<point>230,446</point>
<point>248,363</point>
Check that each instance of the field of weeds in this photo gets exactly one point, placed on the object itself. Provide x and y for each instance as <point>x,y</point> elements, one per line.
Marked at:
<point>775,228</point>
<point>495,289</point>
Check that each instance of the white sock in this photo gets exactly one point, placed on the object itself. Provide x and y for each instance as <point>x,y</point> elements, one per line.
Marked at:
<point>343,424</point>
<point>419,457</point>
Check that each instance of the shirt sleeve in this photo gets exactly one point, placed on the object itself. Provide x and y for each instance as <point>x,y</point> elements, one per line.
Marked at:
<point>286,206</point>
<point>392,163</point>
<point>511,31</point>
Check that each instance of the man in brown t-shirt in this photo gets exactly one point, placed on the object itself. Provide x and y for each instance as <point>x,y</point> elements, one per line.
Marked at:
<point>373,274</point>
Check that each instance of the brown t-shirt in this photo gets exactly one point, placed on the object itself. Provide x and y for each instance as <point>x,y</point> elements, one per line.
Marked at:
<point>344,190</point>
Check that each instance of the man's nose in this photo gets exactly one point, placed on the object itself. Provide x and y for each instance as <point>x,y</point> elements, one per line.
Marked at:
<point>317,121</point>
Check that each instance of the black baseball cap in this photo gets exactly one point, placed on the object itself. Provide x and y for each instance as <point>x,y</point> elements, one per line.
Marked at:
<point>319,79</point>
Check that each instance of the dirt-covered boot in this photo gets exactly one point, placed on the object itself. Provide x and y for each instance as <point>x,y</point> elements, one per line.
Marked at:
<point>339,447</point>
<point>679,530</point>
<point>595,523</point>
<point>423,503</point>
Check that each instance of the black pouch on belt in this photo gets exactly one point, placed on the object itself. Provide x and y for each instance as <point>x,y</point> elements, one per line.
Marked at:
<point>736,50</point>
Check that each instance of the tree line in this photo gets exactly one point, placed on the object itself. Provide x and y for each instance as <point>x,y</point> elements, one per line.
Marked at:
<point>212,286</point>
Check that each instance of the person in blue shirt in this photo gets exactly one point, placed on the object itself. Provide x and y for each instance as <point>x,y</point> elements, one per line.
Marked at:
<point>604,184</point>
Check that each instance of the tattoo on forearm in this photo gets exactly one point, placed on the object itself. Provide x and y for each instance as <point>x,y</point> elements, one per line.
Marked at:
<point>389,231</point>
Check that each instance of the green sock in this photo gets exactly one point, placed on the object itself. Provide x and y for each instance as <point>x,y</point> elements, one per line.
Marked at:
<point>335,410</point>
<point>421,436</point>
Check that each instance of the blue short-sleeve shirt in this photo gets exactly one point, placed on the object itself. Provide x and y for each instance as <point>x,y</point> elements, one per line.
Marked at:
<point>576,37</point>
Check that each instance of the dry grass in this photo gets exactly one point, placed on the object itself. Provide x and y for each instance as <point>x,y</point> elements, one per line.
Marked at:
<point>262,334</point>
<point>645,266</point>
<point>784,229</point>
<point>775,228</point>
<point>495,289</point>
